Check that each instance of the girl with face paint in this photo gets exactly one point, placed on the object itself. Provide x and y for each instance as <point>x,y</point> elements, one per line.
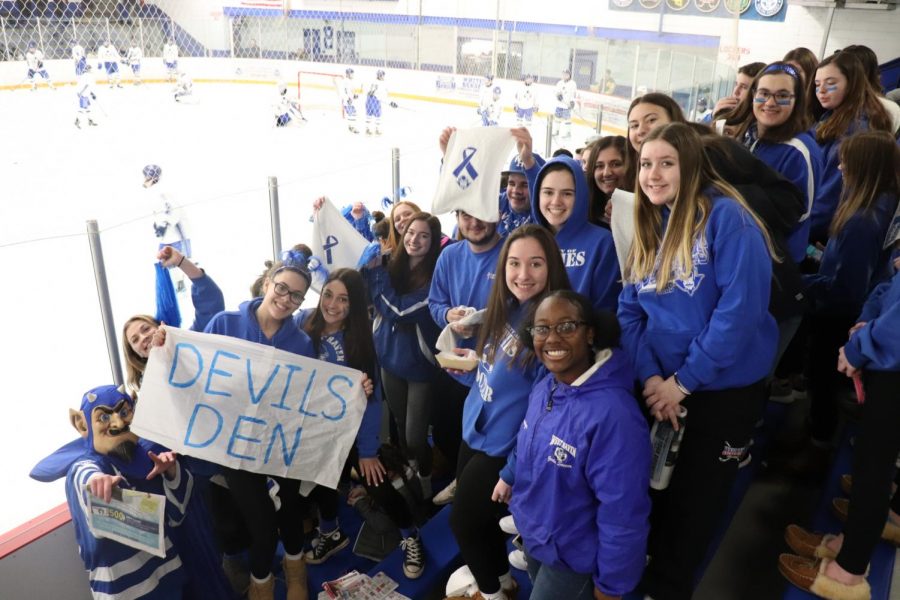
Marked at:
<point>577,479</point>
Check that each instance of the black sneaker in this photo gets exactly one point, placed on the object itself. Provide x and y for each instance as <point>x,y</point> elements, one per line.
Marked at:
<point>326,545</point>
<point>413,557</point>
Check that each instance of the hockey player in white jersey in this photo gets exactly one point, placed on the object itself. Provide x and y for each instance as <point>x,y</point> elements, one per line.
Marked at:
<point>286,109</point>
<point>347,89</point>
<point>526,102</point>
<point>491,108</point>
<point>84,89</point>
<point>109,56</point>
<point>34,58</point>
<point>170,59</point>
<point>79,57</point>
<point>133,58</point>
<point>184,87</point>
<point>485,94</point>
<point>565,102</point>
<point>169,223</point>
<point>376,97</point>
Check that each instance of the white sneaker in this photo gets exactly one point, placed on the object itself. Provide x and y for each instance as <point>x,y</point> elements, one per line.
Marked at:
<point>446,495</point>
<point>508,525</point>
<point>517,560</point>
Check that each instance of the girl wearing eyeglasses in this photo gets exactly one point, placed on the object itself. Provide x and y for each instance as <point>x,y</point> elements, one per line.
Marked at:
<point>269,321</point>
<point>772,123</point>
<point>577,479</point>
<point>843,102</point>
<point>695,321</point>
<point>529,265</point>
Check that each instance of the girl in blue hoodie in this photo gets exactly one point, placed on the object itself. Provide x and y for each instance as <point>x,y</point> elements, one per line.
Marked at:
<point>529,265</point>
<point>579,473</point>
<point>855,261</point>
<point>695,320</point>
<point>405,335</point>
<point>561,204</point>
<point>268,320</point>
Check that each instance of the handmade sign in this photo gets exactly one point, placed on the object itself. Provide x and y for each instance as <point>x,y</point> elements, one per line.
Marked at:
<point>251,407</point>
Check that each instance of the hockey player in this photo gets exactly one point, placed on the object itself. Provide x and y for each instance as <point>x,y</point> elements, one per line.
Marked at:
<point>375,97</point>
<point>79,57</point>
<point>34,58</point>
<point>133,58</point>
<point>286,108</point>
<point>85,93</point>
<point>184,87</point>
<point>170,59</point>
<point>348,95</point>
<point>526,103</point>
<point>490,108</point>
<point>169,223</point>
<point>110,58</point>
<point>565,102</point>
<point>485,95</point>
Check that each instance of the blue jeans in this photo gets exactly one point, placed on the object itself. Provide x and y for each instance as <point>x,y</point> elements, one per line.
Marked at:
<point>552,582</point>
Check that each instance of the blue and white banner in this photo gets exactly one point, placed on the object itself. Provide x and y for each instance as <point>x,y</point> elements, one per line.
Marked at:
<point>251,407</point>
<point>758,10</point>
<point>470,177</point>
<point>335,242</point>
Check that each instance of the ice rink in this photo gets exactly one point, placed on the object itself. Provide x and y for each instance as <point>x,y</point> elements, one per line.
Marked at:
<point>216,155</point>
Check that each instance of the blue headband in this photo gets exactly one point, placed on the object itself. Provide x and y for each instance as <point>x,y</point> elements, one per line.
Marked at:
<point>782,68</point>
<point>294,260</point>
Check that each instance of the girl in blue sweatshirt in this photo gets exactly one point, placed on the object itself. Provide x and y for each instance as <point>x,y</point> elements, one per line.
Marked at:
<point>695,321</point>
<point>341,333</point>
<point>529,265</point>
<point>843,103</point>
<point>268,320</point>
<point>405,335</point>
<point>561,204</point>
<point>855,261</point>
<point>579,473</point>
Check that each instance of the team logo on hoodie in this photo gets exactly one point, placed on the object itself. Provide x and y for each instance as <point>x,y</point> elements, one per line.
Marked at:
<point>688,283</point>
<point>572,257</point>
<point>561,451</point>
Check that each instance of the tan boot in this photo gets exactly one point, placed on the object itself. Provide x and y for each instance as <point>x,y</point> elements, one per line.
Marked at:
<point>295,579</point>
<point>262,591</point>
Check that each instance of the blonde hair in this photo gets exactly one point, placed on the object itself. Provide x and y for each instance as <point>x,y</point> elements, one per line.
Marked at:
<point>134,362</point>
<point>655,252</point>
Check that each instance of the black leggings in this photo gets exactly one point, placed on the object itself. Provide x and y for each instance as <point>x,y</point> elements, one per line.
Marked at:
<point>265,524</point>
<point>874,454</point>
<point>719,425</point>
<point>475,518</point>
<point>827,335</point>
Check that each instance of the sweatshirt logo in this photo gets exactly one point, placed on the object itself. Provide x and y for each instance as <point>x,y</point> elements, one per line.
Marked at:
<point>572,257</point>
<point>561,452</point>
<point>688,283</point>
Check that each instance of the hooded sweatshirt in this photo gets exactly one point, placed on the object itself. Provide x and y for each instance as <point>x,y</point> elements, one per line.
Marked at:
<point>499,395</point>
<point>242,324</point>
<point>461,278</point>
<point>331,349</point>
<point>877,345</point>
<point>581,475</point>
<point>714,329</point>
<point>207,299</point>
<point>587,250</point>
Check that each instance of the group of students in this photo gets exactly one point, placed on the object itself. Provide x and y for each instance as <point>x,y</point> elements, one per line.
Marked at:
<point>596,319</point>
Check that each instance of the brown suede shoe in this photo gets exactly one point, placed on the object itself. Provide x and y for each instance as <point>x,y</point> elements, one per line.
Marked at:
<point>809,575</point>
<point>807,544</point>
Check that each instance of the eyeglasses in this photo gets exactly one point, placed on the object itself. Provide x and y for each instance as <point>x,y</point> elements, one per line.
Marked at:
<point>564,329</point>
<point>283,290</point>
<point>780,97</point>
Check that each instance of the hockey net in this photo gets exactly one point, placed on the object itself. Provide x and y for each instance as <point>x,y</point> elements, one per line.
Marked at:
<point>319,90</point>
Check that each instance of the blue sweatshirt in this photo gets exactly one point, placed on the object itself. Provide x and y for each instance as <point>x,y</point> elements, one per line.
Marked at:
<point>362,225</point>
<point>582,470</point>
<point>242,324</point>
<point>832,180</point>
<point>853,262</point>
<point>497,401</point>
<point>461,278</point>
<point>877,345</point>
<point>800,161</point>
<point>510,219</point>
<point>587,249</point>
<point>405,333</point>
<point>331,349</point>
<point>715,330</point>
<point>207,299</point>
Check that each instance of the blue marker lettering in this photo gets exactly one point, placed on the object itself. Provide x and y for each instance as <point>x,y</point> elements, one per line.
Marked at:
<point>237,436</point>
<point>309,384</point>
<point>253,397</point>
<point>288,457</point>
<point>190,428</point>
<point>214,371</point>
<point>287,385</point>
<point>338,396</point>
<point>185,384</point>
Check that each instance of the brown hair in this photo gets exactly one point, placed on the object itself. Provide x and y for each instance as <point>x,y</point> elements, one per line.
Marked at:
<point>394,238</point>
<point>742,117</point>
<point>135,364</point>
<point>859,100</point>
<point>404,279</point>
<point>501,299</point>
<point>807,60</point>
<point>597,199</point>
<point>676,115</point>
<point>870,161</point>
<point>869,61</point>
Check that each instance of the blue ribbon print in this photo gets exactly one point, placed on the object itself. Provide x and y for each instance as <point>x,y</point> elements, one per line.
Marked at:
<point>470,175</point>
<point>330,242</point>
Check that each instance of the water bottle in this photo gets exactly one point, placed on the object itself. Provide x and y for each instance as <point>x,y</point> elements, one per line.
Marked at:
<point>666,444</point>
